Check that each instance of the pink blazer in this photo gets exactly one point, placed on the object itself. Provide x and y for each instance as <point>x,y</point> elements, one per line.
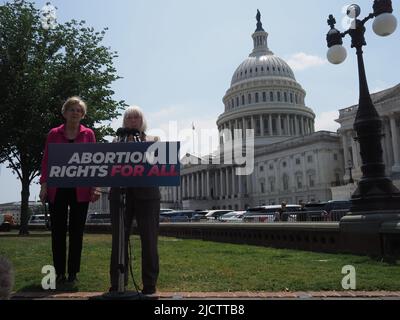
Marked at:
<point>57,135</point>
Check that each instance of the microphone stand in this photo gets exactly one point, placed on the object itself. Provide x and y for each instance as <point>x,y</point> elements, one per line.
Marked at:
<point>121,293</point>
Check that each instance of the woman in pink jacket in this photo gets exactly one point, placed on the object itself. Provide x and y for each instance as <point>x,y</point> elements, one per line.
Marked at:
<point>60,199</point>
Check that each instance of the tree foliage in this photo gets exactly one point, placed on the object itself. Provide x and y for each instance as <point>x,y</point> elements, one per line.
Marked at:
<point>39,69</point>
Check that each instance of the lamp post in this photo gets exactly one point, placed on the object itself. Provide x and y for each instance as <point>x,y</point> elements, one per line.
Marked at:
<point>376,199</point>
<point>350,163</point>
<point>375,190</point>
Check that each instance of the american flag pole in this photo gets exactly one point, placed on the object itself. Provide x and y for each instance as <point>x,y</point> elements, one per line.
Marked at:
<point>193,128</point>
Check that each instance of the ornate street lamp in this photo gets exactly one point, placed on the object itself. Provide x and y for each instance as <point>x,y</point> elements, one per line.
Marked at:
<point>376,199</point>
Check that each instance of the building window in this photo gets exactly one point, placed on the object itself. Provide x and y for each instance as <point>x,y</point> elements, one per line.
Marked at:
<point>298,161</point>
<point>257,97</point>
<point>279,96</point>
<point>237,101</point>
<point>284,164</point>
<point>272,185</point>
<point>242,100</point>
<point>249,98</point>
<point>261,168</point>
<point>335,156</point>
<point>271,167</point>
<point>311,181</point>
<point>271,96</point>
<point>285,180</point>
<point>310,159</point>
<point>262,187</point>
<point>296,98</point>
<point>285,96</point>
<point>266,126</point>
<point>262,69</point>
<point>291,97</point>
<point>299,182</point>
<point>258,127</point>
<point>264,96</point>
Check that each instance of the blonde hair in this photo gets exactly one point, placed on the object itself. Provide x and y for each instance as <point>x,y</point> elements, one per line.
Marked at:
<point>73,101</point>
<point>135,110</point>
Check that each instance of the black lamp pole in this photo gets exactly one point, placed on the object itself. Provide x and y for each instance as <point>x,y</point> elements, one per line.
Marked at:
<point>375,190</point>
<point>351,180</point>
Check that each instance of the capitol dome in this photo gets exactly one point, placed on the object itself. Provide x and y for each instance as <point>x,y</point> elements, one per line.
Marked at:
<point>262,66</point>
<point>265,96</point>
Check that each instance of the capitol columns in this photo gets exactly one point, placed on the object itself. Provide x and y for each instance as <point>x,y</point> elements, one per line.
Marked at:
<point>345,152</point>
<point>395,142</point>
<point>279,125</point>
<point>271,132</point>
<point>261,126</point>
<point>296,125</point>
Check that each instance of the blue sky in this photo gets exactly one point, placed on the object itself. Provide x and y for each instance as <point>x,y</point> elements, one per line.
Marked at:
<point>177,57</point>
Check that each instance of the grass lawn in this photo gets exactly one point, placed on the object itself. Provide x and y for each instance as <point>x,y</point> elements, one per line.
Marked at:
<point>192,265</point>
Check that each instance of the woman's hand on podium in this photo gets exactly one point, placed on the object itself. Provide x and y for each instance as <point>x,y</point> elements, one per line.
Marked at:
<point>43,192</point>
<point>95,194</point>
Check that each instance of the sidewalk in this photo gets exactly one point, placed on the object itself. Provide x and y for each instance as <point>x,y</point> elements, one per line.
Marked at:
<point>323,295</point>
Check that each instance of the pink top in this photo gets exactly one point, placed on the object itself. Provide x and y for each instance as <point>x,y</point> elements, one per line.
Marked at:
<point>57,135</point>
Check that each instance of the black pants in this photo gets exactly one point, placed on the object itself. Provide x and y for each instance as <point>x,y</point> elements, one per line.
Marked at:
<point>77,217</point>
<point>146,212</point>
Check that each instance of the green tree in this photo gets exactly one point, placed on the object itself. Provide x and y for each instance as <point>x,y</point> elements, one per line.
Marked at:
<point>39,69</point>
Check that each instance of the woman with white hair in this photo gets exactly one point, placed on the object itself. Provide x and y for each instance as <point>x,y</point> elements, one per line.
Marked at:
<point>143,203</point>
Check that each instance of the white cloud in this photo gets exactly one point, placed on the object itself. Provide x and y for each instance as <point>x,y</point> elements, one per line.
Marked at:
<point>326,121</point>
<point>301,61</point>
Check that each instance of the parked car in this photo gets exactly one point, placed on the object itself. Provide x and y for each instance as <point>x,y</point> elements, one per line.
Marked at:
<point>37,219</point>
<point>334,210</point>
<point>235,216</point>
<point>165,210</point>
<point>99,218</point>
<point>6,222</point>
<point>200,216</point>
<point>269,213</point>
<point>215,214</point>
<point>313,211</point>
<point>325,211</point>
<point>177,216</point>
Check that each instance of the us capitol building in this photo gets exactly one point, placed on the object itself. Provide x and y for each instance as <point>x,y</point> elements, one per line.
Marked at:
<point>292,162</point>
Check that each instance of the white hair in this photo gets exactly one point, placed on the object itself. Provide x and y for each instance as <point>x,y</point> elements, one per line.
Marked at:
<point>135,110</point>
<point>6,279</point>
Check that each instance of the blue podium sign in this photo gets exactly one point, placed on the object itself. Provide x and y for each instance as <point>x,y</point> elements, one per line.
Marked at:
<point>134,164</point>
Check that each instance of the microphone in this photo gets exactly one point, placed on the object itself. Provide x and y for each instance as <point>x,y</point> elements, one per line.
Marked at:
<point>124,133</point>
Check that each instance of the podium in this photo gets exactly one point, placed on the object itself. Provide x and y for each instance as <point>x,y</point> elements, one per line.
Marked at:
<point>120,165</point>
